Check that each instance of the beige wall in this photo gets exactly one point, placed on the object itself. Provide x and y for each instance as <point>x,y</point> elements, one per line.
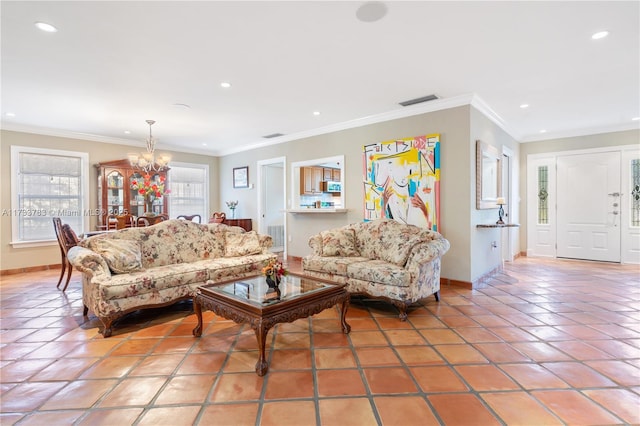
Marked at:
<point>13,258</point>
<point>628,137</point>
<point>457,179</point>
<point>484,258</point>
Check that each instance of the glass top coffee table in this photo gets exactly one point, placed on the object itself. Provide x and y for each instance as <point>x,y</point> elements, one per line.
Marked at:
<point>253,301</point>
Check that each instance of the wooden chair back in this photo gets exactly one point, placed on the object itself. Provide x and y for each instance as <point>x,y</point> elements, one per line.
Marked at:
<point>191,217</point>
<point>218,217</point>
<point>67,238</point>
<point>120,221</point>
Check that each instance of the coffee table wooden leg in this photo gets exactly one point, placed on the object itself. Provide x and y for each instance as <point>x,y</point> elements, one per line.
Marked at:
<point>198,310</point>
<point>346,328</point>
<point>262,366</point>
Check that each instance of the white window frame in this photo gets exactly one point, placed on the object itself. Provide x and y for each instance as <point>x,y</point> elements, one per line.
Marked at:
<point>204,167</point>
<point>15,210</point>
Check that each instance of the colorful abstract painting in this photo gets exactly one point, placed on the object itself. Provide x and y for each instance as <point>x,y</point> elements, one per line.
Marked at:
<point>402,181</point>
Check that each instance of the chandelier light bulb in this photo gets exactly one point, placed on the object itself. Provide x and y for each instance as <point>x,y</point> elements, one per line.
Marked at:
<point>146,161</point>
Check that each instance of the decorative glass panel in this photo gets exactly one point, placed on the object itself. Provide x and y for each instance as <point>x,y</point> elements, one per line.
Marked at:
<point>543,195</point>
<point>635,192</point>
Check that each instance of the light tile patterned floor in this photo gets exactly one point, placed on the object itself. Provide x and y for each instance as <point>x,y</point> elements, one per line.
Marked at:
<point>546,342</point>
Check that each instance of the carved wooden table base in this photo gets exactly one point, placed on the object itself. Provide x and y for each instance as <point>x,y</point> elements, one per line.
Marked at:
<point>263,319</point>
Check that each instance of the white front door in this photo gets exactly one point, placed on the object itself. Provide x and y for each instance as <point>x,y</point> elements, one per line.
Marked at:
<point>588,212</point>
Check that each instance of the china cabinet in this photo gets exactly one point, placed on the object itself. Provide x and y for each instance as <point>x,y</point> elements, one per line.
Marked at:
<point>116,193</point>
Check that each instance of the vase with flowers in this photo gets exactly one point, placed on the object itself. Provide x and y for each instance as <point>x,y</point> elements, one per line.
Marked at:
<point>150,188</point>
<point>232,205</point>
<point>274,271</point>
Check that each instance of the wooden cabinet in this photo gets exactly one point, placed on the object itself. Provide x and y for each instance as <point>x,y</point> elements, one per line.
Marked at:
<point>310,178</point>
<point>116,195</point>
<point>243,223</point>
<point>329,173</point>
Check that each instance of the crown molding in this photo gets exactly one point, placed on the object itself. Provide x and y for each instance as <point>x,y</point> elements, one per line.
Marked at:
<point>45,131</point>
<point>581,132</point>
<point>431,106</point>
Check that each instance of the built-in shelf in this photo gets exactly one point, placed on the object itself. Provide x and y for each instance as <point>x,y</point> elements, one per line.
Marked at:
<point>315,211</point>
<point>495,225</point>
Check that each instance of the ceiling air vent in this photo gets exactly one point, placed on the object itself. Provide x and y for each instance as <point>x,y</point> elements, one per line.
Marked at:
<point>273,135</point>
<point>419,100</point>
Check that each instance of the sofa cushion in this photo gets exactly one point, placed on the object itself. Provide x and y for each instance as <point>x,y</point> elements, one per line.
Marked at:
<point>379,271</point>
<point>122,256</point>
<point>242,244</point>
<point>331,265</point>
<point>339,242</point>
<point>397,241</point>
<point>153,280</point>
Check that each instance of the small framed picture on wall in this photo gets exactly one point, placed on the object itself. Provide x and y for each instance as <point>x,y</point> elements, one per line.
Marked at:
<point>241,177</point>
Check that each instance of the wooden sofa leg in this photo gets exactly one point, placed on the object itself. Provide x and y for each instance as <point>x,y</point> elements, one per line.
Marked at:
<point>402,307</point>
<point>437,294</point>
<point>85,311</point>
<point>106,332</point>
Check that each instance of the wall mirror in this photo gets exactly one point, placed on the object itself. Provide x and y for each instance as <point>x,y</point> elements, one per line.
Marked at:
<point>488,175</point>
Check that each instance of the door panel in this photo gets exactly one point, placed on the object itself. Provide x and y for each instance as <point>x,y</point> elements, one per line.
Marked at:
<point>588,222</point>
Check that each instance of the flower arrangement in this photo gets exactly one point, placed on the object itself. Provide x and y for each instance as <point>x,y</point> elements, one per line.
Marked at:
<point>274,269</point>
<point>148,187</point>
<point>232,205</point>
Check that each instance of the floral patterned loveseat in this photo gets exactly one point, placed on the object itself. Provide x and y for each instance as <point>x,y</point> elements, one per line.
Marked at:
<point>380,259</point>
<point>154,266</point>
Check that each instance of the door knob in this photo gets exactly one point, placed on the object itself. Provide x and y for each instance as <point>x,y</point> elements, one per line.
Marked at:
<point>614,194</point>
<point>615,213</point>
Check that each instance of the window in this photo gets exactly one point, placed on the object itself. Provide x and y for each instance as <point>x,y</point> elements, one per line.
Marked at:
<point>543,195</point>
<point>45,184</point>
<point>189,186</point>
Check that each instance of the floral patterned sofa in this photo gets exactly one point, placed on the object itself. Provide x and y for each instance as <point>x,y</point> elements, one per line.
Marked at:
<point>380,259</point>
<point>154,266</point>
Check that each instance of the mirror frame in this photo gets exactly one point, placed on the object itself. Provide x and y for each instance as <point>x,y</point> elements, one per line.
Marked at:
<point>485,150</point>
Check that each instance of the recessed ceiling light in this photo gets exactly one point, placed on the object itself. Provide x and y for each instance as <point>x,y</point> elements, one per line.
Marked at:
<point>371,11</point>
<point>204,144</point>
<point>46,27</point>
<point>543,131</point>
<point>599,35</point>
<point>635,118</point>
<point>10,114</point>
<point>523,106</point>
<point>225,84</point>
<point>127,132</point>
<point>316,112</point>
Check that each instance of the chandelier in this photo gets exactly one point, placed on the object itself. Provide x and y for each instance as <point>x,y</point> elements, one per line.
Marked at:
<point>147,161</point>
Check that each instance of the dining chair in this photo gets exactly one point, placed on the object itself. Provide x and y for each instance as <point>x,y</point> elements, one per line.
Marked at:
<point>67,238</point>
<point>121,221</point>
<point>190,217</point>
<point>218,217</point>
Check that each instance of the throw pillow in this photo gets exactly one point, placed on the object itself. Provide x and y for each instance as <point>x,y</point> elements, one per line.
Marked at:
<point>242,244</point>
<point>339,242</point>
<point>122,256</point>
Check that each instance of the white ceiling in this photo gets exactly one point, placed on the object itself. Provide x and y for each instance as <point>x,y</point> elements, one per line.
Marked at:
<point>112,65</point>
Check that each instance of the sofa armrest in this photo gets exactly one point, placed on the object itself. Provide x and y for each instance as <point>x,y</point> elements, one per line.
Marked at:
<point>425,252</point>
<point>266,242</point>
<point>315,242</point>
<point>88,262</point>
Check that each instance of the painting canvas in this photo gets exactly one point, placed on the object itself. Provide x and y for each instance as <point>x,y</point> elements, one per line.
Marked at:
<point>402,181</point>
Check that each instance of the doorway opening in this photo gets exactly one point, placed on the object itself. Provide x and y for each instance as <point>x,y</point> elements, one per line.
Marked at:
<point>272,202</point>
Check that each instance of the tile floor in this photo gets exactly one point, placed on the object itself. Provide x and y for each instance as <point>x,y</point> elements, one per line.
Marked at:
<point>546,342</point>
